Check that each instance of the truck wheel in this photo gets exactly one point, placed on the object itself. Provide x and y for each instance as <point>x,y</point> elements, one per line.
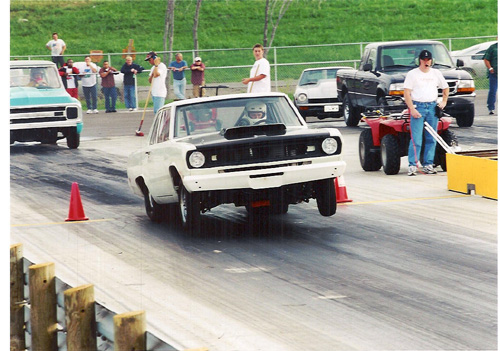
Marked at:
<point>466,119</point>
<point>351,115</point>
<point>190,208</point>
<point>325,197</point>
<point>389,150</point>
<point>440,157</point>
<point>155,211</point>
<point>369,155</point>
<point>73,138</point>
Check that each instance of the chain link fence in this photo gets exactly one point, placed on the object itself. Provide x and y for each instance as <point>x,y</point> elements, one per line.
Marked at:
<point>227,67</point>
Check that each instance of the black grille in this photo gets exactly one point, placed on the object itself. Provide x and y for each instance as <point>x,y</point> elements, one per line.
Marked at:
<point>323,101</point>
<point>37,120</point>
<point>267,151</point>
<point>55,109</point>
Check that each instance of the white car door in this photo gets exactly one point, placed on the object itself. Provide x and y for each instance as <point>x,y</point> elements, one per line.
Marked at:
<point>157,162</point>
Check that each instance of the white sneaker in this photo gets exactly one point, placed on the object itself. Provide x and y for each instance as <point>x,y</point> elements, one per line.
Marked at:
<point>134,109</point>
<point>130,109</point>
<point>429,169</point>
<point>412,170</point>
<point>95,111</point>
<point>89,112</point>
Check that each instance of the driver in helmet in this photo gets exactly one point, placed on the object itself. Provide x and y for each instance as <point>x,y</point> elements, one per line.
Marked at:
<point>255,113</point>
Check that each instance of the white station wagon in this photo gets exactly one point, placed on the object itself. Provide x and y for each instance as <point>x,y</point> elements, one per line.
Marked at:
<point>252,150</point>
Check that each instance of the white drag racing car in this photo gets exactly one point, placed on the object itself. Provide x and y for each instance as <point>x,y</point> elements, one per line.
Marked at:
<point>252,150</point>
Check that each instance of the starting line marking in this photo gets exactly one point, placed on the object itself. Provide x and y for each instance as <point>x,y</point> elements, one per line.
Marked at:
<point>405,200</point>
<point>56,223</point>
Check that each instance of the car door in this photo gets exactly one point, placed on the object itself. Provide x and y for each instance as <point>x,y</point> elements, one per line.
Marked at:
<point>367,89</point>
<point>157,162</point>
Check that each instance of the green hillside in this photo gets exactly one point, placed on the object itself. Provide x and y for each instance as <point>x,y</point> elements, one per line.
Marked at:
<point>108,25</point>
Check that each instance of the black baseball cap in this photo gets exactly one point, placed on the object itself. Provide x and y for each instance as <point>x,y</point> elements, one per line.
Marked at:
<point>150,55</point>
<point>425,54</point>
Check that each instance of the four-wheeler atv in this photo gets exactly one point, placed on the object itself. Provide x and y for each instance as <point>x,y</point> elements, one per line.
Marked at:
<point>388,138</point>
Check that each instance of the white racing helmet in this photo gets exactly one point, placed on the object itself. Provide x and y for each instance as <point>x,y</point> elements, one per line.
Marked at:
<point>255,112</point>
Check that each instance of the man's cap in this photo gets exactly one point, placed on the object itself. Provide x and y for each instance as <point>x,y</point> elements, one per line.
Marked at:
<point>150,55</point>
<point>425,54</point>
<point>197,58</point>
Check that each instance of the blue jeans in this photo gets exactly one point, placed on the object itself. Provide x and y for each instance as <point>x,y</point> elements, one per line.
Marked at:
<point>180,88</point>
<point>109,98</point>
<point>428,112</point>
<point>158,102</point>
<point>90,94</point>
<point>492,94</point>
<point>129,96</point>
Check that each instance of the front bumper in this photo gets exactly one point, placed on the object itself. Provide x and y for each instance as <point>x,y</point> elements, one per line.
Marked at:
<point>320,109</point>
<point>270,176</point>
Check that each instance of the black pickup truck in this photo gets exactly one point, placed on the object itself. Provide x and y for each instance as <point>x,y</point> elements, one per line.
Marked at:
<point>379,80</point>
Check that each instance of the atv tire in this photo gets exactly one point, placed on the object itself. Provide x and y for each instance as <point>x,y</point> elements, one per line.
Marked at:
<point>369,155</point>
<point>389,151</point>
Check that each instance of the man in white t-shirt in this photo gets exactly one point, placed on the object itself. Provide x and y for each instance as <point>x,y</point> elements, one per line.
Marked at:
<point>157,79</point>
<point>57,47</point>
<point>260,74</point>
<point>88,71</point>
<point>421,92</point>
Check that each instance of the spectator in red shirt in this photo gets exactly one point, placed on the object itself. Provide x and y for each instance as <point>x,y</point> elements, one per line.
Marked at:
<point>69,74</point>
<point>198,76</point>
<point>108,86</point>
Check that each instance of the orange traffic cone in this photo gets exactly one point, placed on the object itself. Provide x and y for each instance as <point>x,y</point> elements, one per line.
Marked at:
<point>340,190</point>
<point>75,205</point>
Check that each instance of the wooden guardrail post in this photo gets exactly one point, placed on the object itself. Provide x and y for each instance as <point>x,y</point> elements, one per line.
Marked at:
<point>42,287</point>
<point>79,307</point>
<point>17,334</point>
<point>130,331</point>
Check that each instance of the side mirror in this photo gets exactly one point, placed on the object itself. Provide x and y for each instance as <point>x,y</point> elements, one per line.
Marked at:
<point>460,63</point>
<point>367,67</point>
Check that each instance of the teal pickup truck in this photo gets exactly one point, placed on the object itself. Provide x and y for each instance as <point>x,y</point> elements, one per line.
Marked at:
<point>40,108</point>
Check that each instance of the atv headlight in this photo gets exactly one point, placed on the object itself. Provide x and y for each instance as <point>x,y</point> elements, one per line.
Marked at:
<point>196,159</point>
<point>329,146</point>
<point>302,98</point>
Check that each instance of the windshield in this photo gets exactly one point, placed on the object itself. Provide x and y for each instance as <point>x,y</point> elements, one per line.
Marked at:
<point>207,117</point>
<point>404,56</point>
<point>36,77</point>
<point>312,76</point>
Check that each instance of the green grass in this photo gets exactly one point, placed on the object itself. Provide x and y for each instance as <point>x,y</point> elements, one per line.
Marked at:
<point>108,25</point>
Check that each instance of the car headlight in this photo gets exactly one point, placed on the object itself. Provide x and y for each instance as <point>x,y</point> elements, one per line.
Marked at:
<point>396,89</point>
<point>302,98</point>
<point>466,86</point>
<point>329,146</point>
<point>196,159</point>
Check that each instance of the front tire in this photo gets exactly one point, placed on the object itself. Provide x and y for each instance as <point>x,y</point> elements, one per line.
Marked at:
<point>351,114</point>
<point>326,197</point>
<point>466,119</point>
<point>190,208</point>
<point>389,150</point>
<point>368,156</point>
<point>73,138</point>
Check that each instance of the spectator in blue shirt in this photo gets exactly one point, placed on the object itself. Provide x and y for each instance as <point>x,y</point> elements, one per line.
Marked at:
<point>178,66</point>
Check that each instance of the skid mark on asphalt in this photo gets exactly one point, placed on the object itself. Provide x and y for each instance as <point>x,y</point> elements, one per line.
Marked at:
<point>404,200</point>
<point>58,223</point>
